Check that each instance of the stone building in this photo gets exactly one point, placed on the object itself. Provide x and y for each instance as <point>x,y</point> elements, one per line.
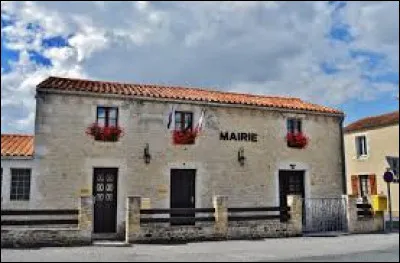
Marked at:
<point>179,147</point>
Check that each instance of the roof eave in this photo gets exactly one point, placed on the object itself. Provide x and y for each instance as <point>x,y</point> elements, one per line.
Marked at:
<point>371,128</point>
<point>17,157</point>
<point>199,102</point>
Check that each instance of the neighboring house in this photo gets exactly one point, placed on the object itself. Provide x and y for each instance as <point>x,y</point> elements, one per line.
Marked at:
<point>17,171</point>
<point>372,146</point>
<point>249,148</point>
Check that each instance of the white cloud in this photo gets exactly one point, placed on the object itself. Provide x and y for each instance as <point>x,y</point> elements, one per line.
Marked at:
<point>22,124</point>
<point>142,5</point>
<point>375,25</point>
<point>18,91</point>
<point>269,47</point>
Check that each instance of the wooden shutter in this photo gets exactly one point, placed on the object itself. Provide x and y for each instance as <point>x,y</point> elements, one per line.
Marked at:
<point>354,184</point>
<point>372,184</point>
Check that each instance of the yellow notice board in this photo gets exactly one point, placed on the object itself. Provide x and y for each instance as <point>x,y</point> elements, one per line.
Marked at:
<point>162,190</point>
<point>145,203</point>
<point>85,191</point>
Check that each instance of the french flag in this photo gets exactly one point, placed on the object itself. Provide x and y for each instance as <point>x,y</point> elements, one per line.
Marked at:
<point>199,125</point>
<point>171,122</point>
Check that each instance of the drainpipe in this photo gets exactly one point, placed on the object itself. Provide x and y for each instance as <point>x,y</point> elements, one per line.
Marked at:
<point>344,181</point>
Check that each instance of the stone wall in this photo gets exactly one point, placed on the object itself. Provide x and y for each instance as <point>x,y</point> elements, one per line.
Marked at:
<point>19,237</point>
<point>360,225</point>
<point>164,233</point>
<point>260,229</point>
<point>270,228</point>
<point>12,237</point>
<point>221,229</point>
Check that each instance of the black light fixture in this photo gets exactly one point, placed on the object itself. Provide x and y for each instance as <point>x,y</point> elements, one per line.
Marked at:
<point>241,157</point>
<point>146,154</point>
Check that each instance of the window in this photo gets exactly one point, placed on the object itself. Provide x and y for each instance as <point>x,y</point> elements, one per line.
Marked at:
<point>294,125</point>
<point>20,184</point>
<point>364,185</point>
<point>394,167</point>
<point>183,120</point>
<point>361,146</point>
<point>107,116</point>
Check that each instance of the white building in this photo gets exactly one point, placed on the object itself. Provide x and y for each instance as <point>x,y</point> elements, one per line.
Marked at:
<point>18,188</point>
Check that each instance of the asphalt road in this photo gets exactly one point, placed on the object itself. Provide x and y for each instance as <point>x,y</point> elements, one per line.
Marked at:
<point>356,248</point>
<point>385,255</point>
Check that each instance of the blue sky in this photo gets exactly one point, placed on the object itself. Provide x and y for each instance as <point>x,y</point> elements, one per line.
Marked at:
<point>7,56</point>
<point>339,54</point>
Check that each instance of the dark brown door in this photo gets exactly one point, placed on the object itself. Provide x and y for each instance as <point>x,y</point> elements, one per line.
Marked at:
<point>105,199</point>
<point>290,183</point>
<point>183,195</point>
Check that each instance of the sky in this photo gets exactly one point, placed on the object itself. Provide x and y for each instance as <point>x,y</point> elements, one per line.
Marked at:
<point>340,54</point>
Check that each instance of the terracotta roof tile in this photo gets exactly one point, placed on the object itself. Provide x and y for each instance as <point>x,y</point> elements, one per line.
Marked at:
<point>179,93</point>
<point>374,122</point>
<point>17,145</point>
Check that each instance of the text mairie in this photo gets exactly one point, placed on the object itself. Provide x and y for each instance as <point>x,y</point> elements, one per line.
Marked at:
<point>238,136</point>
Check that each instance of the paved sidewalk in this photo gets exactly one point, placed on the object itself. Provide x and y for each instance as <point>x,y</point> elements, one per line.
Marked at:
<point>260,250</point>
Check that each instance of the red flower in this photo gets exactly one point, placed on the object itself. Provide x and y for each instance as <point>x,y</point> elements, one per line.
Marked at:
<point>296,140</point>
<point>184,137</point>
<point>111,133</point>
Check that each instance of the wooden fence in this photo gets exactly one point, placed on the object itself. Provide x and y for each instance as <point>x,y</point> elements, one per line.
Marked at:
<point>30,217</point>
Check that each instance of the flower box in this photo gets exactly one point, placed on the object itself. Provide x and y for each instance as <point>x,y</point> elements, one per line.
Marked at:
<point>184,137</point>
<point>107,134</point>
<point>296,140</point>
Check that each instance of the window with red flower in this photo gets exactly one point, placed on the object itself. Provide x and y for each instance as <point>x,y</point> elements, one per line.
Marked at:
<point>183,120</point>
<point>295,137</point>
<point>106,126</point>
<point>107,116</point>
<point>183,132</point>
<point>294,125</point>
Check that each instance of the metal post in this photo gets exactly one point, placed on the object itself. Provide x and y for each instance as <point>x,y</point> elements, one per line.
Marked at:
<point>390,208</point>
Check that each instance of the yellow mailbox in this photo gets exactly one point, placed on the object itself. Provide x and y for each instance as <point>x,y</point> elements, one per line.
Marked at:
<point>379,203</point>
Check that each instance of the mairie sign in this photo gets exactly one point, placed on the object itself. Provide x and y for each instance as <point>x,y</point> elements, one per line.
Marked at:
<point>238,136</point>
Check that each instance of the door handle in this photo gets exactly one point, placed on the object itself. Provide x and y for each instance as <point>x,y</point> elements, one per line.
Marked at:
<point>192,199</point>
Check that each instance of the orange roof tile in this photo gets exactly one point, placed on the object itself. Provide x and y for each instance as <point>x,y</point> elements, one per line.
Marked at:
<point>179,93</point>
<point>374,122</point>
<point>17,145</point>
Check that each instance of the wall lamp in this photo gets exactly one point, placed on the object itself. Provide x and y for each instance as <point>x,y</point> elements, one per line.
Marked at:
<point>146,154</point>
<point>241,157</point>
